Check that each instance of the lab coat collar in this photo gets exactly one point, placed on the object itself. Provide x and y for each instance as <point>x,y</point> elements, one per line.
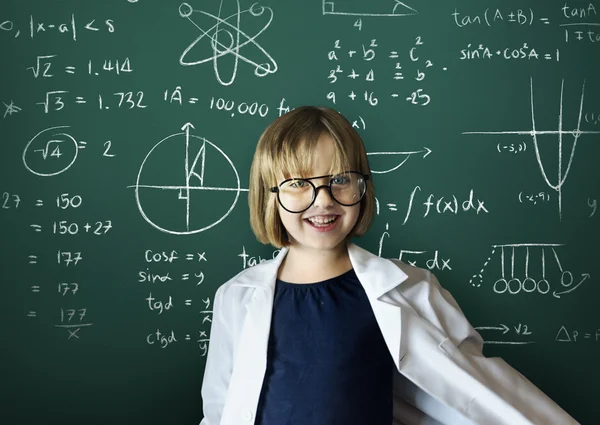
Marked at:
<point>377,275</point>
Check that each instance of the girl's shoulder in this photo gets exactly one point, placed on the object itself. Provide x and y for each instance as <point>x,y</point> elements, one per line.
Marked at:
<point>257,276</point>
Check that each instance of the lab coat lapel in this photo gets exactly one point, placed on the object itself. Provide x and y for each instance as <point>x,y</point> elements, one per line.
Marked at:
<point>379,276</point>
<point>430,372</point>
<point>250,363</point>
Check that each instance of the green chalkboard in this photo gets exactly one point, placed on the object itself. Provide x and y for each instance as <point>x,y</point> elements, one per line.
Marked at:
<point>127,129</point>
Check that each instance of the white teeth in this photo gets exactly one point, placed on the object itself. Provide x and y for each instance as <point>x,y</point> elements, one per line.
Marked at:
<point>322,220</point>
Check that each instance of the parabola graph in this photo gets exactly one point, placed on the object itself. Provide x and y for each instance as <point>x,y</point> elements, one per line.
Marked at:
<point>186,184</point>
<point>535,134</point>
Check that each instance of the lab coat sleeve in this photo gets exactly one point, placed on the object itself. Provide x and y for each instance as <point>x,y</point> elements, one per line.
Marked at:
<point>217,372</point>
<point>505,387</point>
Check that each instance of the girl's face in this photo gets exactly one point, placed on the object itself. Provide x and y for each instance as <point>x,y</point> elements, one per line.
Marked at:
<point>302,229</point>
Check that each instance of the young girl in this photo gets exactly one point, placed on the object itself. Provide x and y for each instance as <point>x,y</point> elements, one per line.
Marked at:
<point>328,333</point>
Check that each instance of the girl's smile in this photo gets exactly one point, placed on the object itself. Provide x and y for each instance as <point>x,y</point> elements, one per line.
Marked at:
<point>322,223</point>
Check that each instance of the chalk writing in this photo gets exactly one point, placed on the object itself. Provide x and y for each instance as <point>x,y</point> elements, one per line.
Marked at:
<point>524,52</point>
<point>446,204</point>
<point>505,331</point>
<point>534,198</point>
<point>354,66</point>
<point>535,134</point>
<point>235,37</point>
<point>10,201</point>
<point>71,319</point>
<point>194,180</point>
<point>68,27</point>
<point>43,67</point>
<point>375,8</point>
<point>10,109</point>
<point>565,334</point>
<point>512,282</point>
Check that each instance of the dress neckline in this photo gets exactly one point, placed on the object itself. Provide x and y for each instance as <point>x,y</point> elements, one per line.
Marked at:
<point>315,284</point>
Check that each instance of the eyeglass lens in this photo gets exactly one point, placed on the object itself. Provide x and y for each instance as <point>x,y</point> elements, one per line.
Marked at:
<point>346,188</point>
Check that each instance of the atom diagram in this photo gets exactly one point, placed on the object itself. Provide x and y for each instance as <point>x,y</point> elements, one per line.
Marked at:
<point>227,39</point>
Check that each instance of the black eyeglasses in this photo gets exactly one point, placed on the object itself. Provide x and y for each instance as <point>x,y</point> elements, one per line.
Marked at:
<point>296,195</point>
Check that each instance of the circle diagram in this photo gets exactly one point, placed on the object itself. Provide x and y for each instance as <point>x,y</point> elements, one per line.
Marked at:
<point>186,184</point>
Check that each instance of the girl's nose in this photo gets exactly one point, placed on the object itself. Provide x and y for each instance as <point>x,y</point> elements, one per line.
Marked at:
<point>323,198</point>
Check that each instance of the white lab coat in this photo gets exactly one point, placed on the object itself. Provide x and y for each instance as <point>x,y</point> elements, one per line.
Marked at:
<point>442,376</point>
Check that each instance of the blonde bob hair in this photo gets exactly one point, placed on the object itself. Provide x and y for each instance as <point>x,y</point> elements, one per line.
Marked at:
<point>286,149</point>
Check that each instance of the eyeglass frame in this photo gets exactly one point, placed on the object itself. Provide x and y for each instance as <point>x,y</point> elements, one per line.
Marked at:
<point>275,189</point>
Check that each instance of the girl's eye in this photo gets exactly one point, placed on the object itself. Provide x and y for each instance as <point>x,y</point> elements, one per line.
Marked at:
<point>298,184</point>
<point>340,179</point>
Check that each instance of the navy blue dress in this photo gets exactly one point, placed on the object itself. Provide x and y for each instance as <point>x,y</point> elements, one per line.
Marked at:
<point>327,361</point>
